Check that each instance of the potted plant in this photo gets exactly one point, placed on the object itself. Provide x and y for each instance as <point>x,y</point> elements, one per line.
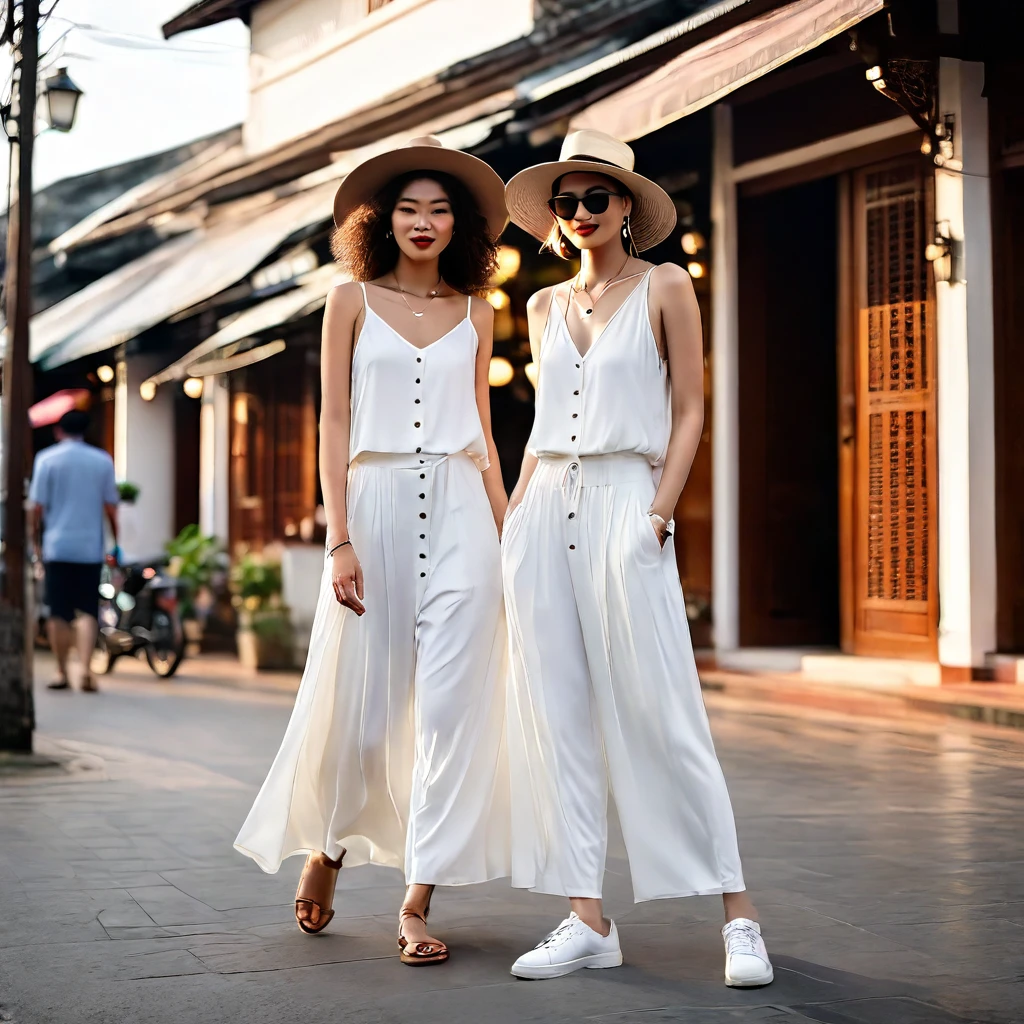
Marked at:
<point>265,637</point>
<point>127,493</point>
<point>196,560</point>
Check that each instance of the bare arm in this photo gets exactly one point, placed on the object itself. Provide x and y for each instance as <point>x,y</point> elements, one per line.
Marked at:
<point>537,315</point>
<point>34,526</point>
<point>483,321</point>
<point>111,511</point>
<point>343,309</point>
<point>679,315</point>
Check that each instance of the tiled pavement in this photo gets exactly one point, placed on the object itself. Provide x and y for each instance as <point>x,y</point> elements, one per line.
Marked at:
<point>886,859</point>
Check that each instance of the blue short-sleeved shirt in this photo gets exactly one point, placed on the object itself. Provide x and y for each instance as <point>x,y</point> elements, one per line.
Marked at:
<point>72,481</point>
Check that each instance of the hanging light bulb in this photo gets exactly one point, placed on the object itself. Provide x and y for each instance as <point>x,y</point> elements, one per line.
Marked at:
<point>498,299</point>
<point>193,387</point>
<point>147,389</point>
<point>695,269</point>
<point>105,373</point>
<point>509,261</point>
<point>692,242</point>
<point>500,372</point>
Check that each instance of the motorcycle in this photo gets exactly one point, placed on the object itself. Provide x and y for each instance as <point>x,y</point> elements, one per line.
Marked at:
<point>139,610</point>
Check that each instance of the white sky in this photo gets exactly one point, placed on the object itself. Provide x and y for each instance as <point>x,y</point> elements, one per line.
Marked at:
<point>142,95</point>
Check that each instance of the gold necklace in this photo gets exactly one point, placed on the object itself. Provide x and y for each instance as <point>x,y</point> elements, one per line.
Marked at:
<point>432,295</point>
<point>576,289</point>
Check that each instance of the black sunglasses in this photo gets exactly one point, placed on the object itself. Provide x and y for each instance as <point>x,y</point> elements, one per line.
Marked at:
<point>564,206</point>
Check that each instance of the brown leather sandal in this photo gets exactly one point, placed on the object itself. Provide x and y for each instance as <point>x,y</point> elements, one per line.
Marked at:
<point>318,918</point>
<point>419,954</point>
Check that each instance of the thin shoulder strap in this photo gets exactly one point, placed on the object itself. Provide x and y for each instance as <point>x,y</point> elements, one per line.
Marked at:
<point>362,288</point>
<point>469,307</point>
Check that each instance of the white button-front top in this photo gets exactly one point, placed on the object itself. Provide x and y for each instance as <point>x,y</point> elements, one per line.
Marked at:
<point>614,399</point>
<point>408,400</point>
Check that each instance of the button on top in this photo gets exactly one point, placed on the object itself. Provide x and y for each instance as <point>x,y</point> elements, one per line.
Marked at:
<point>423,515</point>
<point>417,401</point>
<point>417,380</point>
<point>416,424</point>
<point>575,392</point>
<point>418,450</point>
<point>419,360</point>
<point>422,496</point>
<point>575,415</point>
<point>423,476</point>
<point>574,437</point>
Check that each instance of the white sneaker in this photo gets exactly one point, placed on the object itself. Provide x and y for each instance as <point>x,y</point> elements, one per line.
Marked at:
<point>569,947</point>
<point>746,959</point>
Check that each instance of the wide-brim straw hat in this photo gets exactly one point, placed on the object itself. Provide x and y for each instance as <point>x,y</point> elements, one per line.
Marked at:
<point>653,215</point>
<point>425,153</point>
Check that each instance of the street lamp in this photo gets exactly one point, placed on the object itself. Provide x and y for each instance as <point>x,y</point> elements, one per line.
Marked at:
<point>62,96</point>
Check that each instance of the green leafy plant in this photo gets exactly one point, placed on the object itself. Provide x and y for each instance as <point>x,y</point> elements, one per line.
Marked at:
<point>127,491</point>
<point>256,583</point>
<point>194,559</point>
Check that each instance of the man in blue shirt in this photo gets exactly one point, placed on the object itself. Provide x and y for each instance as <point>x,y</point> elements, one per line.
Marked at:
<point>72,487</point>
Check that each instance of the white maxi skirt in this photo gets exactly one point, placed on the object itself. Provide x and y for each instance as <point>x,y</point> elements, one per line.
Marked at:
<point>395,750</point>
<point>605,692</point>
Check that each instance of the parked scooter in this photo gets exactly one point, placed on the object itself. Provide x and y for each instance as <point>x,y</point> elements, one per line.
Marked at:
<point>139,610</point>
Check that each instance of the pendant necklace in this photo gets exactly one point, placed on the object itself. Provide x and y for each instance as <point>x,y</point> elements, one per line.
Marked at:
<point>431,295</point>
<point>576,289</point>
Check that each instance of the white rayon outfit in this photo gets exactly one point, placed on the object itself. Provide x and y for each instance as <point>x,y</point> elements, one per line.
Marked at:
<point>604,685</point>
<point>395,749</point>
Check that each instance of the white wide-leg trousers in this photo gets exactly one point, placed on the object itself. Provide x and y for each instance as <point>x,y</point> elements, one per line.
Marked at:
<point>395,750</point>
<point>605,692</point>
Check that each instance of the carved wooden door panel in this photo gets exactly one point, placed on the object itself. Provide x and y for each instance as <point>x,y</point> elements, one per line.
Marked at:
<point>895,488</point>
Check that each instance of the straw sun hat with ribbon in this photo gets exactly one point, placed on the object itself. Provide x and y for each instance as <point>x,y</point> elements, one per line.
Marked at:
<point>653,215</point>
<point>425,153</point>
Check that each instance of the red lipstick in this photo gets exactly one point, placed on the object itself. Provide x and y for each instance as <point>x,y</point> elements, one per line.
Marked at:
<point>586,229</point>
<point>422,241</point>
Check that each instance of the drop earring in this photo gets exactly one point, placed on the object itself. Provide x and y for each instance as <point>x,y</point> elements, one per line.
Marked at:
<point>387,234</point>
<point>627,238</point>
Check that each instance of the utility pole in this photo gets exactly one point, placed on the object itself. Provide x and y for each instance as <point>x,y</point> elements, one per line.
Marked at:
<point>17,713</point>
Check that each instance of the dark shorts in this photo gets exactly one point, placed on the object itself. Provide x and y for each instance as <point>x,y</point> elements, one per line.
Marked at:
<point>73,587</point>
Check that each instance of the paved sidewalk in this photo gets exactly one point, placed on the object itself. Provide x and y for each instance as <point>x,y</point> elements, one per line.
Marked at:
<point>885,858</point>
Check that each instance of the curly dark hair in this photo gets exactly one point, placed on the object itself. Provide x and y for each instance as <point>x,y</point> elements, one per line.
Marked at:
<point>363,246</point>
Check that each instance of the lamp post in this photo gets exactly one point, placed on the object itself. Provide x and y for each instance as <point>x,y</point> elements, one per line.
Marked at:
<point>17,714</point>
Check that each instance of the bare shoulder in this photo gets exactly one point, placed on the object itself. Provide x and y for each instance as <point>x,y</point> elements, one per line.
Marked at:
<point>668,278</point>
<point>481,311</point>
<point>540,302</point>
<point>345,299</point>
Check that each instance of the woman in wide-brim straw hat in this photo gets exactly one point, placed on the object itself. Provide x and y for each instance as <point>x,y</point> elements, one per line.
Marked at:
<point>605,690</point>
<point>395,752</point>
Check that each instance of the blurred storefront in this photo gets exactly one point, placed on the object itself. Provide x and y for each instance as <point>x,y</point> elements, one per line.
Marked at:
<point>858,479</point>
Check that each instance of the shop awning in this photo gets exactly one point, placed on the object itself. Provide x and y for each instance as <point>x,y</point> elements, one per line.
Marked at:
<point>711,70</point>
<point>181,273</point>
<point>309,296</point>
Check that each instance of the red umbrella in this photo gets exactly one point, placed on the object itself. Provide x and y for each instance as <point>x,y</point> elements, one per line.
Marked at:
<point>49,410</point>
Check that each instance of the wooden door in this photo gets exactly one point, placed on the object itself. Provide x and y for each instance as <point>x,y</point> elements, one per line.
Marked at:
<point>895,584</point>
<point>789,525</point>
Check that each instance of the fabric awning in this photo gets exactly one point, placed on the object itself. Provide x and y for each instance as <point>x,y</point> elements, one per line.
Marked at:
<point>181,273</point>
<point>711,70</point>
<point>309,296</point>
<point>49,411</point>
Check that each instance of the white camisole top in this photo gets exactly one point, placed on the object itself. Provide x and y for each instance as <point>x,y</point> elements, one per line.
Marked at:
<point>407,400</point>
<point>615,399</point>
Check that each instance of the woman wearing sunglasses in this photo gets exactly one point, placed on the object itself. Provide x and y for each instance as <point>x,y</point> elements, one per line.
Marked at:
<point>605,689</point>
<point>395,751</point>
